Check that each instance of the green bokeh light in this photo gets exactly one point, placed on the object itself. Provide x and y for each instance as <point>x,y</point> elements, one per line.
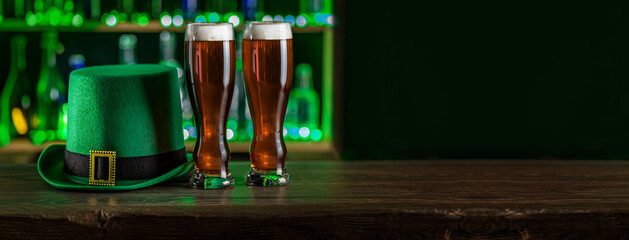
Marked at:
<point>293,132</point>
<point>1,18</point>
<point>66,20</point>
<point>166,20</point>
<point>214,17</point>
<point>234,20</point>
<point>290,19</point>
<point>230,134</point>
<point>316,135</point>
<point>77,20</point>
<point>186,134</point>
<point>54,16</point>
<point>200,18</point>
<point>38,137</point>
<point>301,20</point>
<point>111,21</point>
<point>40,17</point>
<point>50,135</point>
<point>178,20</point>
<point>304,132</point>
<point>318,18</point>
<point>122,17</point>
<point>68,6</point>
<point>143,20</point>
<point>31,19</point>
<point>232,124</point>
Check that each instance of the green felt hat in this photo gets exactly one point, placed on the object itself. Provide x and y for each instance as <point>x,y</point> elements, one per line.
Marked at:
<point>124,130</point>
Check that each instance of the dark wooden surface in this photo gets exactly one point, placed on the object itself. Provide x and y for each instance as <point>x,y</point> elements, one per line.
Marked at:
<point>429,199</point>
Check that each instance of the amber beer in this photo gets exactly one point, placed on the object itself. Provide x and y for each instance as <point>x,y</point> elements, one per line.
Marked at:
<point>268,68</point>
<point>210,56</point>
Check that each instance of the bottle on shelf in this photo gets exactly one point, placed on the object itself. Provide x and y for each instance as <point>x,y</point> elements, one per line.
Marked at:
<point>127,54</point>
<point>302,114</point>
<point>16,101</point>
<point>94,8</point>
<point>52,107</point>
<point>239,123</point>
<point>8,10</point>
<point>156,8</point>
<point>167,45</point>
<point>189,8</point>
<point>19,9</point>
<point>310,6</point>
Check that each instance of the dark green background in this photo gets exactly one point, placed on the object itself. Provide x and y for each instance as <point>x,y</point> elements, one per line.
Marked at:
<point>452,80</point>
<point>486,81</point>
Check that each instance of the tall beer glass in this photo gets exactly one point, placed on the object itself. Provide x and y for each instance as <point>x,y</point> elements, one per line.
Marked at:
<point>267,54</point>
<point>210,56</point>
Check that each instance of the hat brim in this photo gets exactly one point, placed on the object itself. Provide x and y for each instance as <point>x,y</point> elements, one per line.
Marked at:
<point>50,167</point>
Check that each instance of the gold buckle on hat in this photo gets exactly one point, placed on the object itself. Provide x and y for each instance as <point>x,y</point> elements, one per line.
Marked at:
<point>111,180</point>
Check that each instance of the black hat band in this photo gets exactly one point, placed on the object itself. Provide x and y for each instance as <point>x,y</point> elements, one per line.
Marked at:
<point>127,168</point>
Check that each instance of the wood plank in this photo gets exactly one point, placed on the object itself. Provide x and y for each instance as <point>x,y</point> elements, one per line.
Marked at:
<point>447,199</point>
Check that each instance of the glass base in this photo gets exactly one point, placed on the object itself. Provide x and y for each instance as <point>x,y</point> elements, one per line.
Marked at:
<point>207,181</point>
<point>267,179</point>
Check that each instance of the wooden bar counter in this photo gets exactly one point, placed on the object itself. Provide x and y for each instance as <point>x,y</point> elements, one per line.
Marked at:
<point>422,199</point>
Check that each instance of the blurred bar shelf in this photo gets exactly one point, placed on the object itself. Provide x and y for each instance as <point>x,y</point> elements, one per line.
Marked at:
<point>23,151</point>
<point>311,147</point>
<point>154,26</point>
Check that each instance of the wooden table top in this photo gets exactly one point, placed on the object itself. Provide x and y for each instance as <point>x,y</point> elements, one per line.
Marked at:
<point>444,199</point>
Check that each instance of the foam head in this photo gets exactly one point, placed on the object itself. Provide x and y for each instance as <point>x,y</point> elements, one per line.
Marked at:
<point>209,32</point>
<point>267,31</point>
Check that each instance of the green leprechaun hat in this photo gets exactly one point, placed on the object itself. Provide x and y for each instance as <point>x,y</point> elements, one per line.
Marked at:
<point>124,130</point>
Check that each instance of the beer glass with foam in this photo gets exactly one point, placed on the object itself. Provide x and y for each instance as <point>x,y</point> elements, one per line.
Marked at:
<point>267,51</point>
<point>210,56</point>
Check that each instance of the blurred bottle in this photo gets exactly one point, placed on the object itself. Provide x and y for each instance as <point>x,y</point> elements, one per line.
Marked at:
<point>127,44</point>
<point>167,45</point>
<point>249,9</point>
<point>190,8</point>
<point>126,7</point>
<point>302,114</point>
<point>67,12</point>
<point>310,6</point>
<point>51,120</point>
<point>156,8</point>
<point>253,10</point>
<point>16,101</point>
<point>8,9</point>
<point>19,9</point>
<point>2,14</point>
<point>239,116</point>
<point>94,8</point>
<point>54,13</point>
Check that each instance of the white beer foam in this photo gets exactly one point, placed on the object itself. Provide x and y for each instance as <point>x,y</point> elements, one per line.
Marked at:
<point>267,31</point>
<point>209,32</point>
